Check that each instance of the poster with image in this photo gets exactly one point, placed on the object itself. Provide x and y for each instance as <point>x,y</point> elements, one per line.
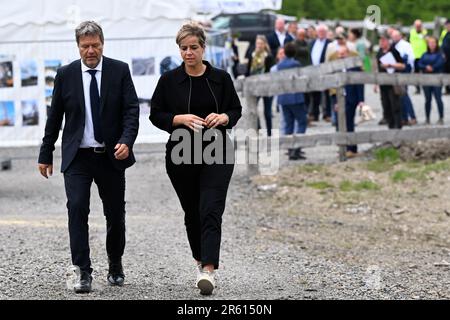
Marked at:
<point>143,66</point>
<point>30,113</point>
<point>29,73</point>
<point>50,68</point>
<point>169,63</point>
<point>6,74</point>
<point>48,103</point>
<point>48,99</point>
<point>7,114</point>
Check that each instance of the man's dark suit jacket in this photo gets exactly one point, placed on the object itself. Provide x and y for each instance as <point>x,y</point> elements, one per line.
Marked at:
<point>446,47</point>
<point>119,113</point>
<point>274,43</point>
<point>324,52</point>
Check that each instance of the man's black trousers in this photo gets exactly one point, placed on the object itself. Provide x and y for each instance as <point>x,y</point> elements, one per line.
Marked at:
<point>87,167</point>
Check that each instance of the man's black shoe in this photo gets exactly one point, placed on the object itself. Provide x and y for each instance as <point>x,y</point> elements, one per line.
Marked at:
<point>116,277</point>
<point>301,152</point>
<point>297,157</point>
<point>296,154</point>
<point>84,283</point>
<point>382,122</point>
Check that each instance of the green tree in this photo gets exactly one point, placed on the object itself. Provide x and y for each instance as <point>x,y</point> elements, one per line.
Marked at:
<point>392,11</point>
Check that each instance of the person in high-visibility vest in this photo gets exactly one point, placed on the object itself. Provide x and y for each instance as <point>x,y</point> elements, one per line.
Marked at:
<point>417,38</point>
<point>443,34</point>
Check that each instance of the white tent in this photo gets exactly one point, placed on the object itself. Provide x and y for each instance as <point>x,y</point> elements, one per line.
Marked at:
<point>36,37</point>
<point>55,20</point>
<point>236,6</point>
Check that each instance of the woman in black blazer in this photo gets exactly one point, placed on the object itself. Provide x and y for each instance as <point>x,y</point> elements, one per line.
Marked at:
<point>198,101</point>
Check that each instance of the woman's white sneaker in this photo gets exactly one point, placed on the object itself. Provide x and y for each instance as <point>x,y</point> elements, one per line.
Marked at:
<point>198,269</point>
<point>206,283</point>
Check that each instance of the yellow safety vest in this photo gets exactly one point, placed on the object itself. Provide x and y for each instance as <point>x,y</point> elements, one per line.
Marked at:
<point>443,34</point>
<point>418,42</point>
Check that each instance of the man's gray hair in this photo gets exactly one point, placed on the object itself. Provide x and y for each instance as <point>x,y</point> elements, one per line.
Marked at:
<point>89,28</point>
<point>322,27</point>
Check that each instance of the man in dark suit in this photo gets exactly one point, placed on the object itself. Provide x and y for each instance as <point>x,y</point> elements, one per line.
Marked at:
<point>318,54</point>
<point>98,99</point>
<point>279,37</point>
<point>446,51</point>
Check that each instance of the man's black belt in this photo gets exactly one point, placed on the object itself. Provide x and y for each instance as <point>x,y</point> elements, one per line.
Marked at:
<point>95,149</point>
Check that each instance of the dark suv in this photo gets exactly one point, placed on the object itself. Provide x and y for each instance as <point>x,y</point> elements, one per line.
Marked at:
<point>245,25</point>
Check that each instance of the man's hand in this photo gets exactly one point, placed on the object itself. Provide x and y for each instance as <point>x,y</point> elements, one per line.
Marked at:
<point>214,120</point>
<point>122,151</point>
<point>189,120</point>
<point>429,69</point>
<point>45,170</point>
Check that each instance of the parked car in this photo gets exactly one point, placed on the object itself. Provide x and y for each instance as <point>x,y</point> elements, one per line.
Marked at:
<point>246,26</point>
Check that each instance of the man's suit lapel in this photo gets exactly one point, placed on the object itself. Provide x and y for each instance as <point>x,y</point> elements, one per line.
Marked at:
<point>287,39</point>
<point>104,83</point>
<point>324,51</point>
<point>278,41</point>
<point>79,87</point>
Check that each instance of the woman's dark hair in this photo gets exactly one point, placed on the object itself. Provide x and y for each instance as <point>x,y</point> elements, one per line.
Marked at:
<point>437,44</point>
<point>290,50</point>
<point>356,32</point>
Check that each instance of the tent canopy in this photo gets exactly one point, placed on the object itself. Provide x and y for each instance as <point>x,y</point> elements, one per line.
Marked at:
<point>235,6</point>
<point>36,37</point>
<point>22,12</point>
<point>49,20</point>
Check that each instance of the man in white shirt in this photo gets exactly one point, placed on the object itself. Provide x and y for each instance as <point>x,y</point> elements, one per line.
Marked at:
<point>407,53</point>
<point>404,48</point>
<point>279,37</point>
<point>96,96</point>
<point>319,46</point>
<point>318,51</point>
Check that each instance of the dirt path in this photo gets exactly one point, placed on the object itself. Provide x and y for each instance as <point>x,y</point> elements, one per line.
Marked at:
<point>358,230</point>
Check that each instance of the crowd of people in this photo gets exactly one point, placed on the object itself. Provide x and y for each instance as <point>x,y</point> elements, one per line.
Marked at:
<point>289,46</point>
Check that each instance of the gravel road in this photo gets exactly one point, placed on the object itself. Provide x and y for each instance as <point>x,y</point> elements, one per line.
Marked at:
<point>271,249</point>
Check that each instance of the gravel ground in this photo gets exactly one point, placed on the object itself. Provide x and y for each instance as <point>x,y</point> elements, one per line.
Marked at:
<point>281,240</point>
<point>287,242</point>
<point>365,230</point>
